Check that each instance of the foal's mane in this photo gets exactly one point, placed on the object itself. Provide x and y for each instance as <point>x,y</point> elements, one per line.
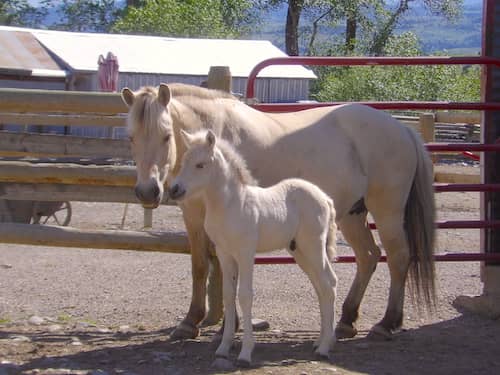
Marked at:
<point>236,162</point>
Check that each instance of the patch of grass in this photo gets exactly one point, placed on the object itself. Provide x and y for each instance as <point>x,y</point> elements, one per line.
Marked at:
<point>64,318</point>
<point>89,321</point>
<point>4,320</point>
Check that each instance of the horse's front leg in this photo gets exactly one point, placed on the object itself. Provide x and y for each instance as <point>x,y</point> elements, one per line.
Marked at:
<point>229,284</point>
<point>199,242</point>
<point>214,314</point>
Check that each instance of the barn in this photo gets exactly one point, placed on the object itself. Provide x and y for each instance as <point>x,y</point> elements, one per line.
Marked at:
<point>70,61</point>
<point>47,59</point>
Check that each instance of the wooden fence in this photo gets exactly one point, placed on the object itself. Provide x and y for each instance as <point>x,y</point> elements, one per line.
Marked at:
<point>67,177</point>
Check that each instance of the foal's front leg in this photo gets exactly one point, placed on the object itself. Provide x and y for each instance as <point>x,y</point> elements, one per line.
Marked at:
<point>245,296</point>
<point>229,284</point>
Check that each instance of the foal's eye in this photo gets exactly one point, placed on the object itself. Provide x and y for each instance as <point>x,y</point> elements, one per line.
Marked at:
<point>166,138</point>
<point>200,165</point>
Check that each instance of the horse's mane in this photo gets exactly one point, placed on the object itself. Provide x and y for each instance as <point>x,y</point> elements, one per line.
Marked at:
<point>182,89</point>
<point>236,162</point>
<point>146,110</point>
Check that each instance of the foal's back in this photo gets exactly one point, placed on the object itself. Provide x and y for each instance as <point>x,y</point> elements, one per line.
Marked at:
<point>288,211</point>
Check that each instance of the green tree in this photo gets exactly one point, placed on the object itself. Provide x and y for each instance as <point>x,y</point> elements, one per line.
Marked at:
<point>85,15</point>
<point>188,18</point>
<point>20,13</point>
<point>367,24</point>
<point>405,83</point>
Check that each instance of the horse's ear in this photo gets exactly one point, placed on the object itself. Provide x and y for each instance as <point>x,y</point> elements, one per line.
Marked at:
<point>186,138</point>
<point>211,138</point>
<point>128,96</point>
<point>163,94</point>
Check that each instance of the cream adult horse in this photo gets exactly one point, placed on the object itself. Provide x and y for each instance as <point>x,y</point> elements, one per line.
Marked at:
<point>363,158</point>
<point>242,219</point>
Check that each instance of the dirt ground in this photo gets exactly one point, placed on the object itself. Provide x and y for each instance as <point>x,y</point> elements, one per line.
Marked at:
<point>76,311</point>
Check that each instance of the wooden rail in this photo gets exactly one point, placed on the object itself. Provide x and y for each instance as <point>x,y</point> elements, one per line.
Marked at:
<point>20,180</point>
<point>47,235</point>
<point>56,101</point>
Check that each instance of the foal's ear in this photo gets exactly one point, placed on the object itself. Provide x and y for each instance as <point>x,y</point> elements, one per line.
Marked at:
<point>186,138</point>
<point>163,94</point>
<point>128,96</point>
<point>210,138</point>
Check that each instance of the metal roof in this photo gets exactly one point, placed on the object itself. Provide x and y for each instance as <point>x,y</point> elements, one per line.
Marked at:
<point>22,54</point>
<point>164,55</point>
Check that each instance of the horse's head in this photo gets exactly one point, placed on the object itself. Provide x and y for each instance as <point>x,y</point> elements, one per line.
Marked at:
<point>197,165</point>
<point>149,126</point>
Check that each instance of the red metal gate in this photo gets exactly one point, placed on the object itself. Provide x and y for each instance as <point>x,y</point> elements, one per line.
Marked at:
<point>464,147</point>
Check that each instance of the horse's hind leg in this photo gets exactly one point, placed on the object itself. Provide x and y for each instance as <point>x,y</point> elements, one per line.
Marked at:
<point>393,237</point>
<point>358,235</point>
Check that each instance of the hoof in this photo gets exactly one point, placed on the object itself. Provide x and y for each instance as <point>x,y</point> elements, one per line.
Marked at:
<point>217,338</point>
<point>210,321</point>
<point>184,331</point>
<point>379,333</point>
<point>223,364</point>
<point>244,363</point>
<point>345,331</point>
<point>321,356</point>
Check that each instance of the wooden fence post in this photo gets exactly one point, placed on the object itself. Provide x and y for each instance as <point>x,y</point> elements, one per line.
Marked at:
<point>219,78</point>
<point>148,218</point>
<point>427,125</point>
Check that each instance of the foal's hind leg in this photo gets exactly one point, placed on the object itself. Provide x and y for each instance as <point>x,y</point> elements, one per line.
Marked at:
<point>311,258</point>
<point>358,235</point>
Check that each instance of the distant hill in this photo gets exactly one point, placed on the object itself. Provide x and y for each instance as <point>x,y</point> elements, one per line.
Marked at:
<point>462,36</point>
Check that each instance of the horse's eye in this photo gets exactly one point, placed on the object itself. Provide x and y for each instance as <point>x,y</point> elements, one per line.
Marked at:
<point>166,138</point>
<point>200,165</point>
<point>131,139</point>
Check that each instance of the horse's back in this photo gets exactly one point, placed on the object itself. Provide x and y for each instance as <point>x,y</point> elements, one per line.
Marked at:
<point>347,150</point>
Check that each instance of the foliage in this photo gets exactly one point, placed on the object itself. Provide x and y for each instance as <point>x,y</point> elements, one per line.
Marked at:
<point>353,26</point>
<point>86,15</point>
<point>20,13</point>
<point>442,82</point>
<point>188,18</point>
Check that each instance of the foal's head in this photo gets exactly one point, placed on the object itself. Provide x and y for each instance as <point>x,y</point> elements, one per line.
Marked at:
<point>208,161</point>
<point>149,126</point>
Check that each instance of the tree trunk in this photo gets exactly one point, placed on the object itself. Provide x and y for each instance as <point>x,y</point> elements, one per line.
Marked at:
<point>292,27</point>
<point>380,38</point>
<point>314,31</point>
<point>350,33</point>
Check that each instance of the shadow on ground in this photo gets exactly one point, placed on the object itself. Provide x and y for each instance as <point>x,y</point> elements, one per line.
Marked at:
<point>465,345</point>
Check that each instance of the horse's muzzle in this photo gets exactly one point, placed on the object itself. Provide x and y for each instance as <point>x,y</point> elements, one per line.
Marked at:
<point>150,198</point>
<point>176,192</point>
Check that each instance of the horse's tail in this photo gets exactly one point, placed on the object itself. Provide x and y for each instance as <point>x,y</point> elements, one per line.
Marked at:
<point>331,238</point>
<point>420,229</point>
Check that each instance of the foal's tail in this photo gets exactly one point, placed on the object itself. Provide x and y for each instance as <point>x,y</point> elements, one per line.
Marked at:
<point>420,229</point>
<point>331,238</point>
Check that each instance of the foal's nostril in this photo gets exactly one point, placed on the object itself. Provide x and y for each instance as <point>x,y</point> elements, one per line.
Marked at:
<point>173,190</point>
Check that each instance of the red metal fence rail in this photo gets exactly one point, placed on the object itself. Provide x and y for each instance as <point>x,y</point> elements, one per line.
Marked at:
<point>464,147</point>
